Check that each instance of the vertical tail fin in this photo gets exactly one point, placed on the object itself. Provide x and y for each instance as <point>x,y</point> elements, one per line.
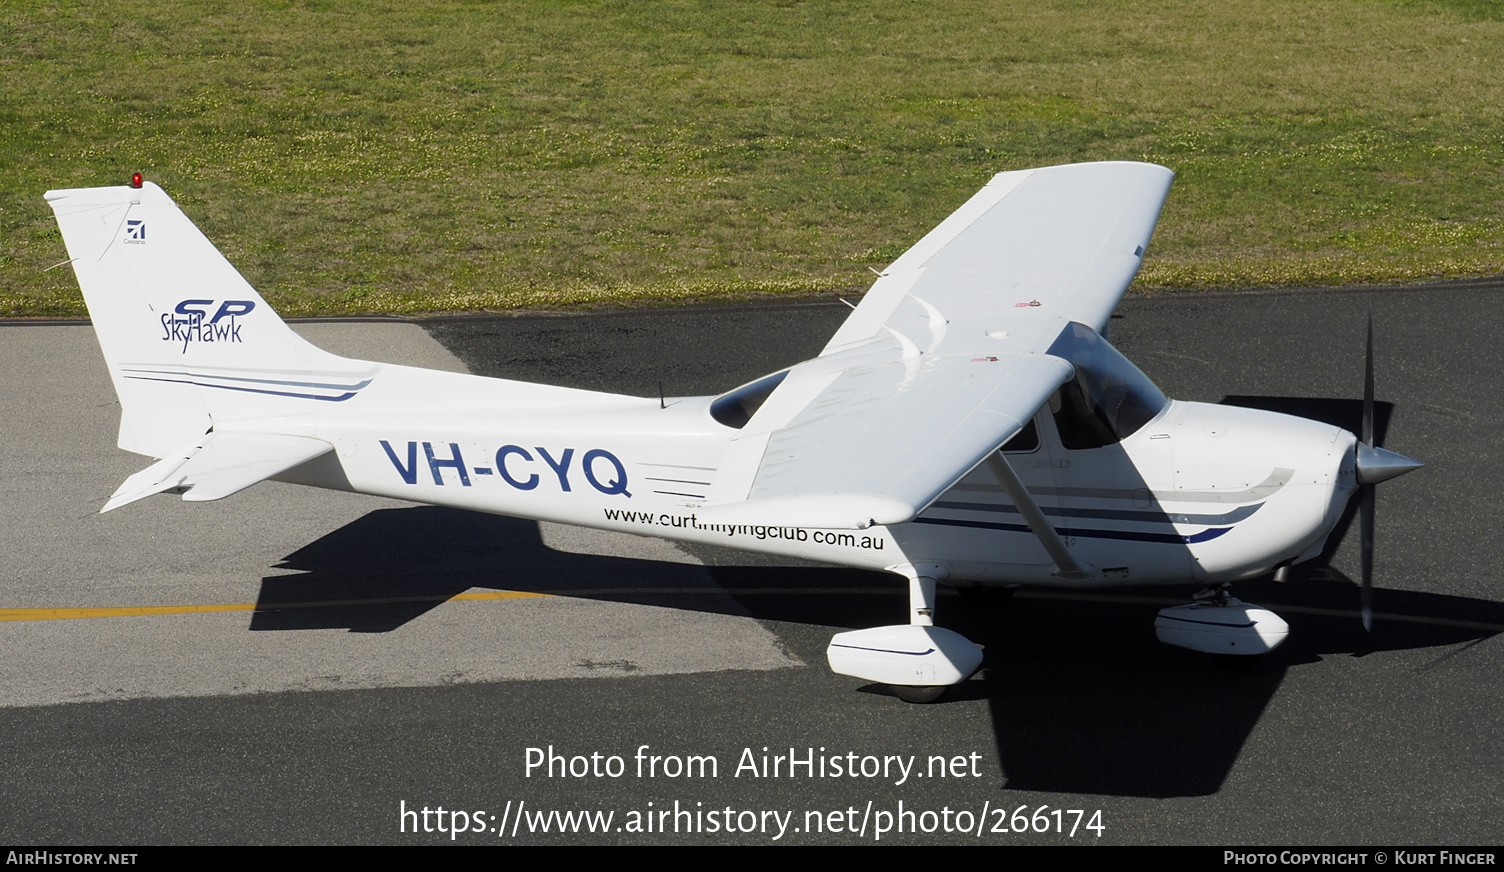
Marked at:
<point>188,341</point>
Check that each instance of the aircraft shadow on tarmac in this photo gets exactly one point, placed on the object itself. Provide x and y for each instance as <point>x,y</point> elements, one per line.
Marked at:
<point>392,565</point>
<point>1082,697</point>
<point>1084,700</point>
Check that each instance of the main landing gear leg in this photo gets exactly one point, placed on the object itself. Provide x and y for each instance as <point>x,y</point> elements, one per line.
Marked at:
<point>922,600</point>
<point>921,614</point>
<point>917,661</point>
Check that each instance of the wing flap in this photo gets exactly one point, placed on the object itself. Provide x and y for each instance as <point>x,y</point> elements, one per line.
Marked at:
<point>218,465</point>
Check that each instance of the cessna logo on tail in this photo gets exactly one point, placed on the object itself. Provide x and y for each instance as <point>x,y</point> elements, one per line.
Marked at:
<point>190,321</point>
<point>135,231</point>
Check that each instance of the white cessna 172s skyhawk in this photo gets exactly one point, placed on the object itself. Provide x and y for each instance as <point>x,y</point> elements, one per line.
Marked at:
<point>967,424</point>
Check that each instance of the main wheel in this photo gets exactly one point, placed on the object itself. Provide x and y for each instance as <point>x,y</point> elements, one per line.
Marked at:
<point>919,694</point>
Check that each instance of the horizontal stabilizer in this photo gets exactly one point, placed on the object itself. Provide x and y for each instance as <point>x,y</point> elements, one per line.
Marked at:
<point>217,465</point>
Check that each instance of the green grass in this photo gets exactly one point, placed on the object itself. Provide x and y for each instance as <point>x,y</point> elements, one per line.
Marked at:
<point>414,157</point>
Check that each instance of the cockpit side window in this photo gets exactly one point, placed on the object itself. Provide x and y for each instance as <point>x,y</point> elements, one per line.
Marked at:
<point>1107,400</point>
<point>1080,424</point>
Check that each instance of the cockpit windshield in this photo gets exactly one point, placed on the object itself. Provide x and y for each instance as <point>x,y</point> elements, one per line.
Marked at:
<point>1108,400</point>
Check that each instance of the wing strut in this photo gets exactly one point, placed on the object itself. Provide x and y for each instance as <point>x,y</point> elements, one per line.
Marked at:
<point>1064,562</point>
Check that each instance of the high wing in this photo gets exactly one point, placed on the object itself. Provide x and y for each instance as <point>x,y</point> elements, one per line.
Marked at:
<point>947,355</point>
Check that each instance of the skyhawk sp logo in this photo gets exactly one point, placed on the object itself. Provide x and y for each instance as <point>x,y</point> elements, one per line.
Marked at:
<point>189,321</point>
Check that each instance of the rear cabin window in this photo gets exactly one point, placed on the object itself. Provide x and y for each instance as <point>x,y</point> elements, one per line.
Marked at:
<point>1024,440</point>
<point>735,408</point>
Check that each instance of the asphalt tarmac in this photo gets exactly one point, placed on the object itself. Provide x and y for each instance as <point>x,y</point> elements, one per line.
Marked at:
<point>366,658</point>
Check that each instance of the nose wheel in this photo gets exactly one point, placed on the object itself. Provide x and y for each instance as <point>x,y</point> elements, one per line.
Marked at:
<point>1220,624</point>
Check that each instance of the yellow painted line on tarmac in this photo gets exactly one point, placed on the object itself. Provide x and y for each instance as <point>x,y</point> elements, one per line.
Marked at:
<point>143,611</point>
<point>495,595</point>
<point>118,612</point>
<point>470,596</point>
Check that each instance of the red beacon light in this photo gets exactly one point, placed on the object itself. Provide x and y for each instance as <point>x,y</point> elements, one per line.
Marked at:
<point>135,180</point>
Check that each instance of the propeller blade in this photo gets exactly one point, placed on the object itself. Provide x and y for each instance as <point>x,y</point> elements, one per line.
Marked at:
<point>1366,451</point>
<point>1365,521</point>
<point>1368,388</point>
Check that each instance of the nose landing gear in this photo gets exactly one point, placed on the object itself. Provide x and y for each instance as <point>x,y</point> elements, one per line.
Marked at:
<point>1219,623</point>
